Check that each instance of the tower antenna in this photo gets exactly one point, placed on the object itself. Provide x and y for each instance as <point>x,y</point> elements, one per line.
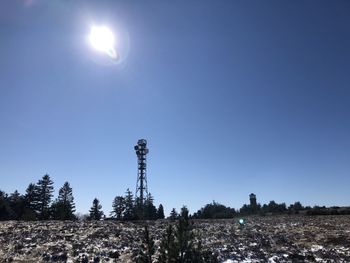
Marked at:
<point>141,184</point>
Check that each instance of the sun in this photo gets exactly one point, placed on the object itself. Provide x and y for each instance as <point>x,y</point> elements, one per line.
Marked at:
<point>102,39</point>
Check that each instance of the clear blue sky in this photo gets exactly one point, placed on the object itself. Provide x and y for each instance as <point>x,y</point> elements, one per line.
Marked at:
<point>233,97</point>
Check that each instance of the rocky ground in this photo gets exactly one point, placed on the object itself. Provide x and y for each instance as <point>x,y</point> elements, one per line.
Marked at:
<point>262,239</point>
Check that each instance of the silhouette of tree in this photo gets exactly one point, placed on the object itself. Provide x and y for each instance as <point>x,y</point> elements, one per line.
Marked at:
<point>95,211</point>
<point>16,202</point>
<point>4,206</point>
<point>160,212</point>
<point>150,211</point>
<point>214,210</point>
<point>274,208</point>
<point>129,213</point>
<point>245,210</point>
<point>45,193</point>
<point>118,206</point>
<point>31,199</point>
<point>63,208</point>
<point>173,214</point>
<point>295,208</point>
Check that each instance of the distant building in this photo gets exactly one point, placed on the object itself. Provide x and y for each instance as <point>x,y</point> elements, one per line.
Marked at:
<point>253,203</point>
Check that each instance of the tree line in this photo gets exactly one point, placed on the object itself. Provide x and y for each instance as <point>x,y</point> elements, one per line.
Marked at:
<point>216,210</point>
<point>37,204</point>
<point>273,208</point>
<point>128,208</point>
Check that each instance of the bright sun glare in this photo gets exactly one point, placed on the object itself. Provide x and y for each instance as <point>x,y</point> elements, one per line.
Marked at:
<point>102,39</point>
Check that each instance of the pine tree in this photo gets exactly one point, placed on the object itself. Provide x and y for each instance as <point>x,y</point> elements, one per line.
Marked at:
<point>160,212</point>
<point>45,193</point>
<point>129,213</point>
<point>64,207</point>
<point>147,248</point>
<point>118,207</point>
<point>173,214</point>
<point>179,246</point>
<point>150,211</point>
<point>167,249</point>
<point>17,205</point>
<point>31,202</point>
<point>184,235</point>
<point>4,206</point>
<point>95,211</point>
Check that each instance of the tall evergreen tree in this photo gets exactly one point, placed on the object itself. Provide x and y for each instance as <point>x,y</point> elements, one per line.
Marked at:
<point>95,211</point>
<point>160,212</point>
<point>64,207</point>
<point>17,205</point>
<point>118,207</point>
<point>129,213</point>
<point>150,211</point>
<point>4,206</point>
<point>31,199</point>
<point>45,193</point>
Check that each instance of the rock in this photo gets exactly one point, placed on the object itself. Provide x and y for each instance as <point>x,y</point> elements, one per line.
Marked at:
<point>46,257</point>
<point>84,259</point>
<point>59,257</point>
<point>114,254</point>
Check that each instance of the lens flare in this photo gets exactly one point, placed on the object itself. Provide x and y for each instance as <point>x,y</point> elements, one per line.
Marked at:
<point>102,39</point>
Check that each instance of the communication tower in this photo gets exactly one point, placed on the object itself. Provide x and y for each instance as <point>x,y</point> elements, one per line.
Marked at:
<point>141,185</point>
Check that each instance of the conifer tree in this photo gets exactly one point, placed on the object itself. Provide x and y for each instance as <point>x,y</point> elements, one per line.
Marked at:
<point>150,211</point>
<point>4,206</point>
<point>167,249</point>
<point>184,235</point>
<point>31,196</point>
<point>129,213</point>
<point>147,248</point>
<point>45,193</point>
<point>16,202</point>
<point>64,207</point>
<point>31,202</point>
<point>95,211</point>
<point>173,214</point>
<point>179,246</point>
<point>118,207</point>
<point>160,212</point>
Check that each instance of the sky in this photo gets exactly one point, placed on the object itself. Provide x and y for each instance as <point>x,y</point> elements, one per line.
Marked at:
<point>233,97</point>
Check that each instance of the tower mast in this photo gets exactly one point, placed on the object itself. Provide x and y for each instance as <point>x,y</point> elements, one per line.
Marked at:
<point>141,185</point>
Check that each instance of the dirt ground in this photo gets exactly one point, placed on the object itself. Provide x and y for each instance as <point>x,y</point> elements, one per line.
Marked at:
<point>261,239</point>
